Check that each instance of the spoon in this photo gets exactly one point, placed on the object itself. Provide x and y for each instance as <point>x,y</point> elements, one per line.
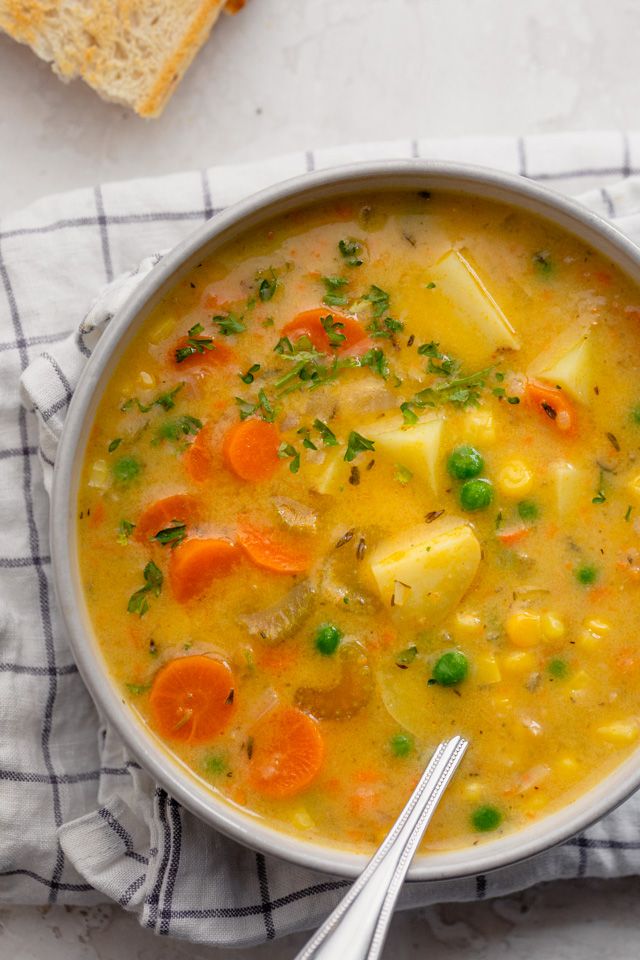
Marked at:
<point>357,928</point>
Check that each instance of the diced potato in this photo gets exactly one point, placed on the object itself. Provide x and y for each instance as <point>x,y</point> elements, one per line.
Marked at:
<point>415,446</point>
<point>633,487</point>
<point>434,566</point>
<point>478,427</point>
<point>469,321</point>
<point>619,733</point>
<point>569,484</point>
<point>467,624</point>
<point>487,670</point>
<point>333,475</point>
<point>569,364</point>
<point>146,380</point>
<point>99,476</point>
<point>473,790</point>
<point>515,479</point>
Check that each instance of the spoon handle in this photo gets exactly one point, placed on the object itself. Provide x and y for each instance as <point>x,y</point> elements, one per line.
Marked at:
<point>357,928</point>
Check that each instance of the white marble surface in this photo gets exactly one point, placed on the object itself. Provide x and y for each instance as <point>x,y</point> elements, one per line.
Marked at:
<point>295,73</point>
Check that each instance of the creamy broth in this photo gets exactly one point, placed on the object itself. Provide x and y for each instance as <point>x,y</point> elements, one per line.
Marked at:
<point>401,435</point>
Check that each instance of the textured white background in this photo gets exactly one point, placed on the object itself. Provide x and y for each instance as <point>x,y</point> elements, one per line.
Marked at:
<point>288,74</point>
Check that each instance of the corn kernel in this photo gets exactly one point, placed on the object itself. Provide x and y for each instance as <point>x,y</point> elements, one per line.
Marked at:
<point>523,629</point>
<point>592,634</point>
<point>567,766</point>
<point>99,476</point>
<point>552,627</point>
<point>302,819</point>
<point>468,624</point>
<point>146,380</point>
<point>534,803</point>
<point>487,670</point>
<point>518,662</point>
<point>619,733</point>
<point>162,330</point>
<point>479,427</point>
<point>598,627</point>
<point>473,789</point>
<point>514,479</point>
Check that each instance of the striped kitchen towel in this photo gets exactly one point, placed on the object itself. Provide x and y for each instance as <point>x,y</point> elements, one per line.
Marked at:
<point>80,822</point>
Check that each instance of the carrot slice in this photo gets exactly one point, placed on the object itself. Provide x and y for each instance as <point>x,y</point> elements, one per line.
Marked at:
<point>198,458</point>
<point>218,357</point>
<point>273,550</point>
<point>309,323</point>
<point>288,751</point>
<point>160,514</point>
<point>195,564</point>
<point>250,449</point>
<point>553,403</point>
<point>192,698</point>
<point>510,537</point>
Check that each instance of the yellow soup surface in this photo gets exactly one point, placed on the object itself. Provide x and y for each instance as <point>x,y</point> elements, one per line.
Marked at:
<point>366,478</point>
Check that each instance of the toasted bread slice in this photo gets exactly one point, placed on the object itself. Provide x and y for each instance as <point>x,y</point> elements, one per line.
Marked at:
<point>133,52</point>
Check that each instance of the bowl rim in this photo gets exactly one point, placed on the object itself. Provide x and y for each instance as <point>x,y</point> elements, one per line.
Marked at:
<point>356,178</point>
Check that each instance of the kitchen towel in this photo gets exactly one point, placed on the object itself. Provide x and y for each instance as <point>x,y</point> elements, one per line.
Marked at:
<point>80,822</point>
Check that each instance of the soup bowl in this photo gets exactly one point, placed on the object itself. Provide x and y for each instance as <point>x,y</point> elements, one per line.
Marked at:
<point>170,773</point>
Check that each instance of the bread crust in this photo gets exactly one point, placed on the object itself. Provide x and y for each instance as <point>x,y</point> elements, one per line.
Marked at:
<point>133,52</point>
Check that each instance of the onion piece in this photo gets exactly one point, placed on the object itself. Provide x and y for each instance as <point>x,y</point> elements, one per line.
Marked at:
<point>294,514</point>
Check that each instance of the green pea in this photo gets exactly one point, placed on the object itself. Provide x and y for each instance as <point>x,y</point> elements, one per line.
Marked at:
<point>476,494</point>
<point>558,669</point>
<point>451,668</point>
<point>586,575</point>
<point>328,638</point>
<point>215,764</point>
<point>401,744</point>
<point>485,818</point>
<point>126,469</point>
<point>528,510</point>
<point>465,462</point>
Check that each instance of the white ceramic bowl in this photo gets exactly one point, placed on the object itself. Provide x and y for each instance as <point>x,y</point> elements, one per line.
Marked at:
<point>174,777</point>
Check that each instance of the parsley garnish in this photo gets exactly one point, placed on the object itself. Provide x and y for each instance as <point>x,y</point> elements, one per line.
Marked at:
<point>407,413</point>
<point>388,328</point>
<point>333,297</point>
<point>307,442</point>
<point>195,344</point>
<point>379,300</point>
<point>177,428</point>
<point>357,444</point>
<point>164,400</point>
<point>376,360</point>
<point>125,529</point>
<point>352,252</point>
<point>328,437</point>
<point>138,601</point>
<point>431,285</point>
<point>332,329</point>
<point>287,450</point>
<point>249,377</point>
<point>172,535</point>
<point>114,444</point>
<point>264,408</point>
<point>543,263</point>
<point>229,323</point>
<point>138,688</point>
<point>267,286</point>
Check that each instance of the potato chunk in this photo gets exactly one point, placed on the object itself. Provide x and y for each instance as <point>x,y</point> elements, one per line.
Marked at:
<point>415,446</point>
<point>459,312</point>
<point>568,362</point>
<point>423,573</point>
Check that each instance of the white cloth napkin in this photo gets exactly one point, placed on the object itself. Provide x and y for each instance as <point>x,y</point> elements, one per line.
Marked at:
<point>80,822</point>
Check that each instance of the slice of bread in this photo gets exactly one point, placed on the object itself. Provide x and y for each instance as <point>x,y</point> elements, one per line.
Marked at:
<point>133,52</point>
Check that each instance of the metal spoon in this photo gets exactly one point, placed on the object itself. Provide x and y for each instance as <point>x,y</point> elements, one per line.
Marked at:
<point>357,928</point>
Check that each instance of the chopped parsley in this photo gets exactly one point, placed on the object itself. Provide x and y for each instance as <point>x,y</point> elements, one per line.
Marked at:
<point>352,251</point>
<point>405,657</point>
<point>333,296</point>
<point>229,323</point>
<point>459,391</point>
<point>263,408</point>
<point>379,300</point>
<point>249,376</point>
<point>165,400</point>
<point>543,263</point>
<point>195,344</point>
<point>125,529</point>
<point>138,601</point>
<point>327,435</point>
<point>114,444</point>
<point>287,450</point>
<point>403,475</point>
<point>138,688</point>
<point>171,536</point>
<point>431,285</point>
<point>333,329</point>
<point>387,328</point>
<point>177,428</point>
<point>267,286</point>
<point>407,413</point>
<point>376,360</point>
<point>357,444</point>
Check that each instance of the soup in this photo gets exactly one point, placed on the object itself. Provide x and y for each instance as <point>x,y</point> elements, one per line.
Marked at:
<point>368,477</point>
